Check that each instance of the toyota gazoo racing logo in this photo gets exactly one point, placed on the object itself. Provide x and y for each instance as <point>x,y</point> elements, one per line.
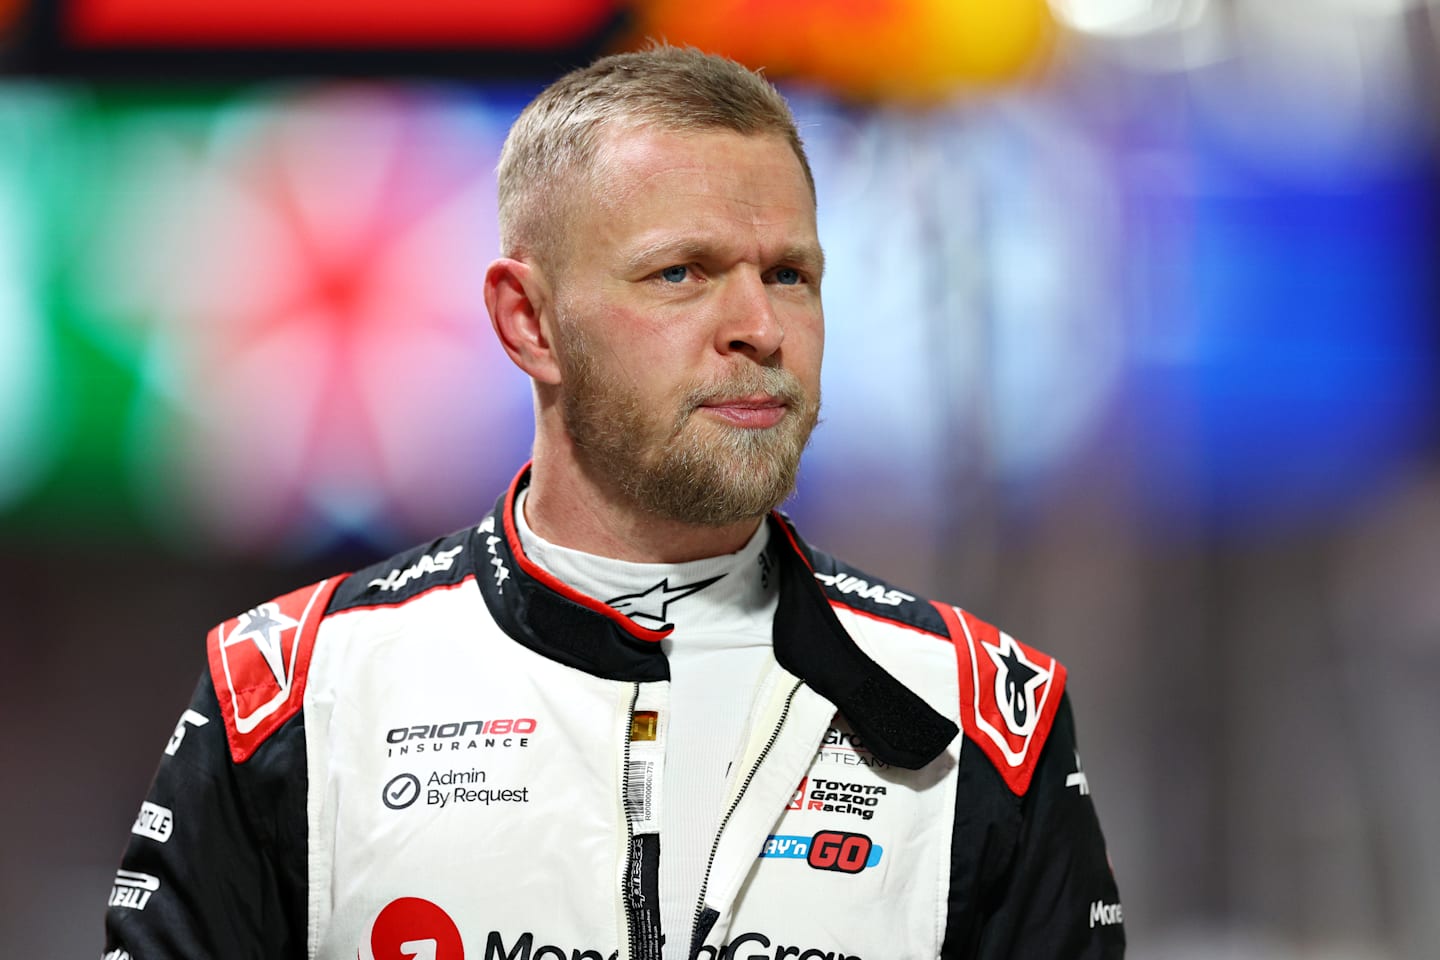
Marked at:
<point>837,796</point>
<point>832,850</point>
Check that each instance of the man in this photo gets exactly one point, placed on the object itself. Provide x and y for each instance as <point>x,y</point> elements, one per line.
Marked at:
<point>630,714</point>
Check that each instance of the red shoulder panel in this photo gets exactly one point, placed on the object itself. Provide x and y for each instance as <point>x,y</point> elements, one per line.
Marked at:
<point>259,662</point>
<point>1009,694</point>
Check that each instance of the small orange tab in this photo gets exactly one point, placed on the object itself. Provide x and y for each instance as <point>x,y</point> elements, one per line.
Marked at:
<point>644,725</point>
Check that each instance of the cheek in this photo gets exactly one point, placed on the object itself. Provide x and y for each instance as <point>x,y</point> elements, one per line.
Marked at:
<point>804,337</point>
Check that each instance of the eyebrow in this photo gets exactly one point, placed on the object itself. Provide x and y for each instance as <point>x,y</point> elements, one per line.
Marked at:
<point>808,255</point>
<point>686,249</point>
<point>667,251</point>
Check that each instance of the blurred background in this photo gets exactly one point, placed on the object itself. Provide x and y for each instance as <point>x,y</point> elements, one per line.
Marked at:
<point>1132,309</point>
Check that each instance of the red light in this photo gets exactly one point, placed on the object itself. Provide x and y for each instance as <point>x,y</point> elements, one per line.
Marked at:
<point>536,24</point>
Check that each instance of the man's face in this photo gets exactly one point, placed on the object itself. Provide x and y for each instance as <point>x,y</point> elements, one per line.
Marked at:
<point>689,323</point>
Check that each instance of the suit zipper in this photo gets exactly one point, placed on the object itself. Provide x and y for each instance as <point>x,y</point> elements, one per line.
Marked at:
<point>734,803</point>
<point>629,827</point>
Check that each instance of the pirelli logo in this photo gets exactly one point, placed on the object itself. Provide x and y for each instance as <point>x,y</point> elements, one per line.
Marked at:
<point>133,890</point>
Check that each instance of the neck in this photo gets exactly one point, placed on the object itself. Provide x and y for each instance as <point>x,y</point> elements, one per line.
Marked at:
<point>569,509</point>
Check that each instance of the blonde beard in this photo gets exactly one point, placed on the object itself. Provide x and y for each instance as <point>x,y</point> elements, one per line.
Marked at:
<point>696,472</point>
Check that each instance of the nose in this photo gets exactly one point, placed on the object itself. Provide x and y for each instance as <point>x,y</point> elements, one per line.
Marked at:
<point>749,324</point>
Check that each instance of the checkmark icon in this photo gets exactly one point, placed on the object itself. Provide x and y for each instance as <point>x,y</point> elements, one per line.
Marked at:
<point>401,791</point>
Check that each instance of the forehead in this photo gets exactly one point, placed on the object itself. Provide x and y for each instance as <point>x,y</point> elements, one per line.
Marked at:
<point>729,187</point>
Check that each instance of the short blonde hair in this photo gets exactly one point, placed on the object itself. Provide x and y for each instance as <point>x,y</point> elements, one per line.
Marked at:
<point>553,145</point>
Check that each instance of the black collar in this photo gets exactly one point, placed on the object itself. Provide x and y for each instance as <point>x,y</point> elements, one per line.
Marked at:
<point>560,623</point>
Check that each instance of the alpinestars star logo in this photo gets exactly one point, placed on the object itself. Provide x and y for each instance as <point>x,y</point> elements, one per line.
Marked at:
<point>653,603</point>
<point>1016,680</point>
<point>263,627</point>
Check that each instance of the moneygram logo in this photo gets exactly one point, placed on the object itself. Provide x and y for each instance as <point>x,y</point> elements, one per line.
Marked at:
<point>745,946</point>
<point>749,941</point>
<point>411,928</point>
<point>827,850</point>
<point>524,947</point>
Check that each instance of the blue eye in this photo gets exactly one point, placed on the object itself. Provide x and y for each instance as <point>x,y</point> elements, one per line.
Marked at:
<point>788,276</point>
<point>675,274</point>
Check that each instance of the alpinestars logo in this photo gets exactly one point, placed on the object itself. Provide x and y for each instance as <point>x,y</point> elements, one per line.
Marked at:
<point>436,562</point>
<point>1016,680</point>
<point>265,628</point>
<point>259,662</point>
<point>653,603</point>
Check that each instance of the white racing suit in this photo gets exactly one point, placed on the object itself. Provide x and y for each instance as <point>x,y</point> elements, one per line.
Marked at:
<point>453,755</point>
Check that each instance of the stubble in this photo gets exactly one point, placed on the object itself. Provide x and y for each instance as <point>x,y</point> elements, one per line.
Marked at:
<point>695,470</point>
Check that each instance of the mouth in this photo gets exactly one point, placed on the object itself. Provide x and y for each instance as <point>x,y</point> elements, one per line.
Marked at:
<point>756,411</point>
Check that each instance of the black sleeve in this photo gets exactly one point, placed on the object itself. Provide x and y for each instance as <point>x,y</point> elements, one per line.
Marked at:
<point>1031,875</point>
<point>1057,898</point>
<point>215,865</point>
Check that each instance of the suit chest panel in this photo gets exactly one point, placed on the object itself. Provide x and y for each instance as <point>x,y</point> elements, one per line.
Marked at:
<point>463,788</point>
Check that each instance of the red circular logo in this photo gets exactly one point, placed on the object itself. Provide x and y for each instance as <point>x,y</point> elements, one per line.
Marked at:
<point>414,929</point>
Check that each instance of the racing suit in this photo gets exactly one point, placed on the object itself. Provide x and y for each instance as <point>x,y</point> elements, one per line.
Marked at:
<point>453,754</point>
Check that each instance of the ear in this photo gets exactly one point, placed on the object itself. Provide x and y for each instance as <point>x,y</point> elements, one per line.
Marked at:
<point>518,299</point>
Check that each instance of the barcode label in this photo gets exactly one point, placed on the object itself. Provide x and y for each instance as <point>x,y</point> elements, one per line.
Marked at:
<point>639,790</point>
